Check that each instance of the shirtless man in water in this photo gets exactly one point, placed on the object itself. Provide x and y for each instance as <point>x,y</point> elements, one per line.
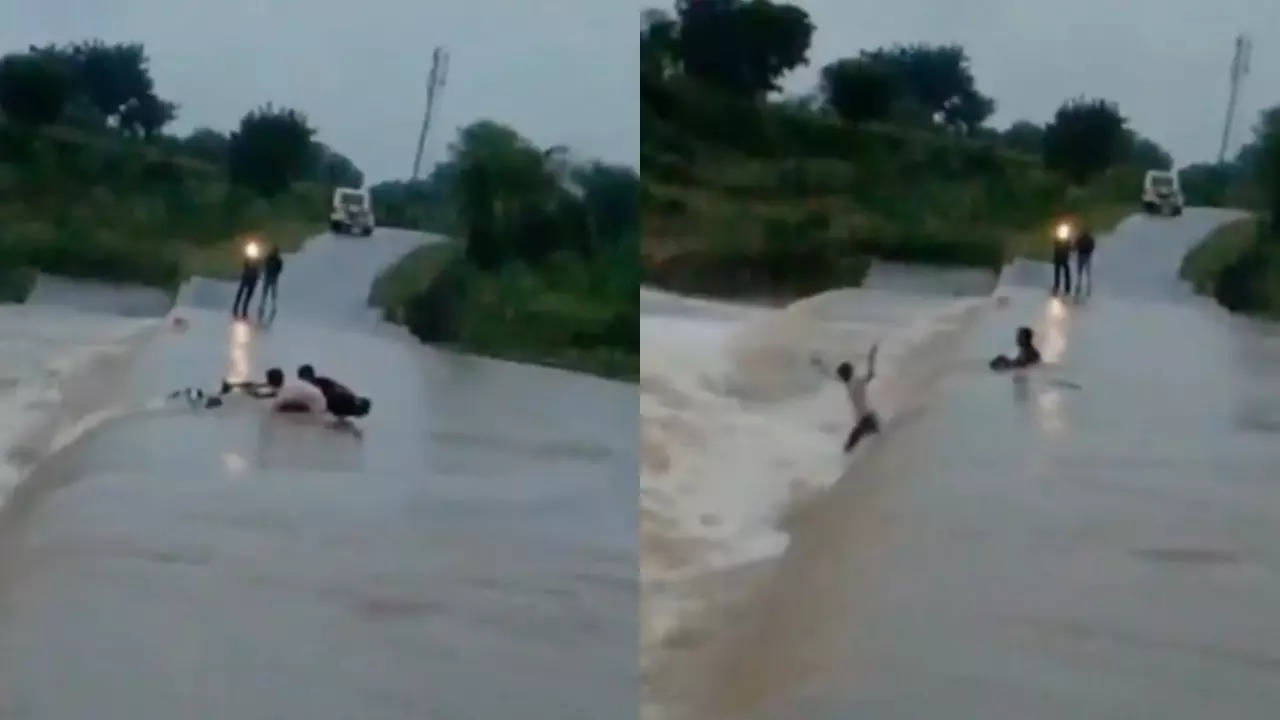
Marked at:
<point>289,397</point>
<point>865,420</point>
<point>1027,355</point>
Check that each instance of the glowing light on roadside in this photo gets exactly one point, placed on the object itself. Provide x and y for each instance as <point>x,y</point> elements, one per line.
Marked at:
<point>252,250</point>
<point>1063,232</point>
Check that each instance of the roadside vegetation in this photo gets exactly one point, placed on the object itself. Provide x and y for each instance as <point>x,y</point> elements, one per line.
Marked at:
<point>1240,264</point>
<point>747,193</point>
<point>541,266</point>
<point>91,186</point>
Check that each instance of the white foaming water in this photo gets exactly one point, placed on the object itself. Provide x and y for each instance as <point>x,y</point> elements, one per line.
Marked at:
<point>57,375</point>
<point>737,424</point>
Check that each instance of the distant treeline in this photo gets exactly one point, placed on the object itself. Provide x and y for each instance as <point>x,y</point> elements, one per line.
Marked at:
<point>744,47</point>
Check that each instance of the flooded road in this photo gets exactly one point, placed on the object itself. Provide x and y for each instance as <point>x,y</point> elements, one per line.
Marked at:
<point>472,556</point>
<point>1034,549</point>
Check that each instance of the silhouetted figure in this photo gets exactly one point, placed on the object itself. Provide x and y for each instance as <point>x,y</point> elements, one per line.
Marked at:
<point>340,400</point>
<point>248,283</point>
<point>270,277</point>
<point>1027,355</point>
<point>1061,267</point>
<point>1084,260</point>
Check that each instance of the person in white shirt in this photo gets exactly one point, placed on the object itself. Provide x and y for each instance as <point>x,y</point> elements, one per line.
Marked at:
<point>865,420</point>
<point>287,397</point>
<point>294,398</point>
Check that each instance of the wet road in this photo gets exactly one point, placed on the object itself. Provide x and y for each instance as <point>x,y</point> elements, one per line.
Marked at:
<point>1028,550</point>
<point>473,556</point>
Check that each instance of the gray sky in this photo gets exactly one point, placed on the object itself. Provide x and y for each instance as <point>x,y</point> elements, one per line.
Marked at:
<point>1165,62</point>
<point>558,71</point>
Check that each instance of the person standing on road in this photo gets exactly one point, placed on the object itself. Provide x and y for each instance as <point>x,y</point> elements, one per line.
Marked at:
<point>248,283</point>
<point>270,277</point>
<point>1062,266</point>
<point>1084,260</point>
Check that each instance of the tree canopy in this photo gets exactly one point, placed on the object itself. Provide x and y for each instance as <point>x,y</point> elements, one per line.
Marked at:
<point>114,80</point>
<point>1026,136</point>
<point>271,150</point>
<point>742,47</point>
<point>1085,138</point>
<point>920,84</point>
<point>33,89</point>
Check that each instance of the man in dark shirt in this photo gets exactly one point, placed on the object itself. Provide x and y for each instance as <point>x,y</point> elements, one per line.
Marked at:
<point>1062,266</point>
<point>341,401</point>
<point>1084,260</point>
<point>248,283</point>
<point>270,277</point>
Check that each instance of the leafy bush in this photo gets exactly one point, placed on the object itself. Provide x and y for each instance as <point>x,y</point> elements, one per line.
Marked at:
<point>33,89</point>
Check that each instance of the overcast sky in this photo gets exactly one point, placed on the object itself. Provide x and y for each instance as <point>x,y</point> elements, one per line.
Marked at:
<point>559,71</point>
<point>1165,62</point>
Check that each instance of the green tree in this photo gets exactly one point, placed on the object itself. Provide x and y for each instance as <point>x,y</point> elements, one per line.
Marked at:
<point>207,144</point>
<point>111,76</point>
<point>1026,136</point>
<point>658,45</point>
<point>333,168</point>
<point>1267,154</point>
<point>33,89</point>
<point>111,82</point>
<point>271,150</point>
<point>1207,183</point>
<point>147,115</point>
<point>1147,154</point>
<point>429,204</point>
<point>858,90</point>
<point>742,47</point>
<point>932,84</point>
<point>1086,138</point>
<point>515,201</point>
<point>611,195</point>
<point>967,113</point>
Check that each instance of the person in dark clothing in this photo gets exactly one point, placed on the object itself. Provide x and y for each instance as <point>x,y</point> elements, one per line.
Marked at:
<point>341,400</point>
<point>1062,266</point>
<point>1084,260</point>
<point>1027,355</point>
<point>248,282</point>
<point>270,276</point>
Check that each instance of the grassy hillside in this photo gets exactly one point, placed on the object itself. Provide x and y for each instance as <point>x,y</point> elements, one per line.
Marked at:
<point>1239,265</point>
<point>742,197</point>
<point>1204,264</point>
<point>550,315</point>
<point>100,206</point>
<point>545,268</point>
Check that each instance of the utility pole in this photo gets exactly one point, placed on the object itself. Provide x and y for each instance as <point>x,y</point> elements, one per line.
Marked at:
<point>1239,68</point>
<point>435,83</point>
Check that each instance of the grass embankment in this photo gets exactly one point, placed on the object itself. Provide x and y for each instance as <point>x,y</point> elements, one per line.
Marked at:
<point>556,315</point>
<point>396,285</point>
<point>106,208</point>
<point>743,198</point>
<point>1239,265</point>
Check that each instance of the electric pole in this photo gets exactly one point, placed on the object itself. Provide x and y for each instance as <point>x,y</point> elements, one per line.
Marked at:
<point>435,83</point>
<point>1239,68</point>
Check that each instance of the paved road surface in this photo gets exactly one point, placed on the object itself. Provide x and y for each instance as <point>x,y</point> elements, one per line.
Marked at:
<point>1024,550</point>
<point>472,557</point>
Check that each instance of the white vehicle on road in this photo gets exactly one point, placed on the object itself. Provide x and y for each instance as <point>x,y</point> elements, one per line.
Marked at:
<point>1161,193</point>
<point>352,212</point>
